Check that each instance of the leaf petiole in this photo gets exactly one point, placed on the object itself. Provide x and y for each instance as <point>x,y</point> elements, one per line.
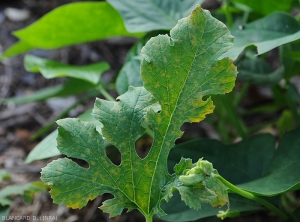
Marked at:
<point>104,93</point>
<point>253,197</point>
<point>148,218</point>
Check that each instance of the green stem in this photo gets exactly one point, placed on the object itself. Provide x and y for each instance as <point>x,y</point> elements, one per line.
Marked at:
<point>105,94</point>
<point>149,218</point>
<point>241,94</point>
<point>251,196</point>
<point>293,107</point>
<point>227,13</point>
<point>245,17</point>
<point>236,121</point>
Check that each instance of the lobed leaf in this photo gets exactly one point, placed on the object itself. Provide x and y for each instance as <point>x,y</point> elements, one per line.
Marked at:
<point>178,71</point>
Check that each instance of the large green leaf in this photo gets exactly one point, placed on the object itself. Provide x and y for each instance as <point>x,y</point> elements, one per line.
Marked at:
<point>266,7</point>
<point>148,15</point>
<point>71,24</point>
<point>179,70</point>
<point>282,174</point>
<point>52,69</point>
<point>265,34</point>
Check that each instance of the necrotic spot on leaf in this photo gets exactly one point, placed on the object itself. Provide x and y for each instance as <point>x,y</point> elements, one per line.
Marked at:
<point>114,155</point>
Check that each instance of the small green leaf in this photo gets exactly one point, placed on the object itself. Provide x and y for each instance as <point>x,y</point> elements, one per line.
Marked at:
<point>270,36</point>
<point>29,188</point>
<point>153,14</point>
<point>52,69</point>
<point>4,175</point>
<point>183,165</point>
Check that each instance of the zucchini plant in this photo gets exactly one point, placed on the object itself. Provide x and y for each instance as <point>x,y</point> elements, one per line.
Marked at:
<point>177,71</point>
<point>166,81</point>
<point>180,72</point>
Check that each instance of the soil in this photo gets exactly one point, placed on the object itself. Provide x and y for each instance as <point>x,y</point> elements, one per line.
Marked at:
<point>20,121</point>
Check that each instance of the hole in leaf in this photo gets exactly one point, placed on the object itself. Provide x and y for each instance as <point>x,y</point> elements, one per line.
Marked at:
<point>80,162</point>
<point>143,145</point>
<point>113,154</point>
<point>192,131</point>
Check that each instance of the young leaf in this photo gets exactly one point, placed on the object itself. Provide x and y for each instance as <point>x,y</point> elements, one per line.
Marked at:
<point>196,184</point>
<point>178,71</point>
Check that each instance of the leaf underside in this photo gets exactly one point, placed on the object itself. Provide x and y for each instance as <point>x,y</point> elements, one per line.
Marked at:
<point>177,71</point>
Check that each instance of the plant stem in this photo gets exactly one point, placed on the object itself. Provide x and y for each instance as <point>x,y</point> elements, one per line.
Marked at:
<point>149,218</point>
<point>293,107</point>
<point>236,121</point>
<point>241,94</point>
<point>227,13</point>
<point>105,94</point>
<point>251,196</point>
